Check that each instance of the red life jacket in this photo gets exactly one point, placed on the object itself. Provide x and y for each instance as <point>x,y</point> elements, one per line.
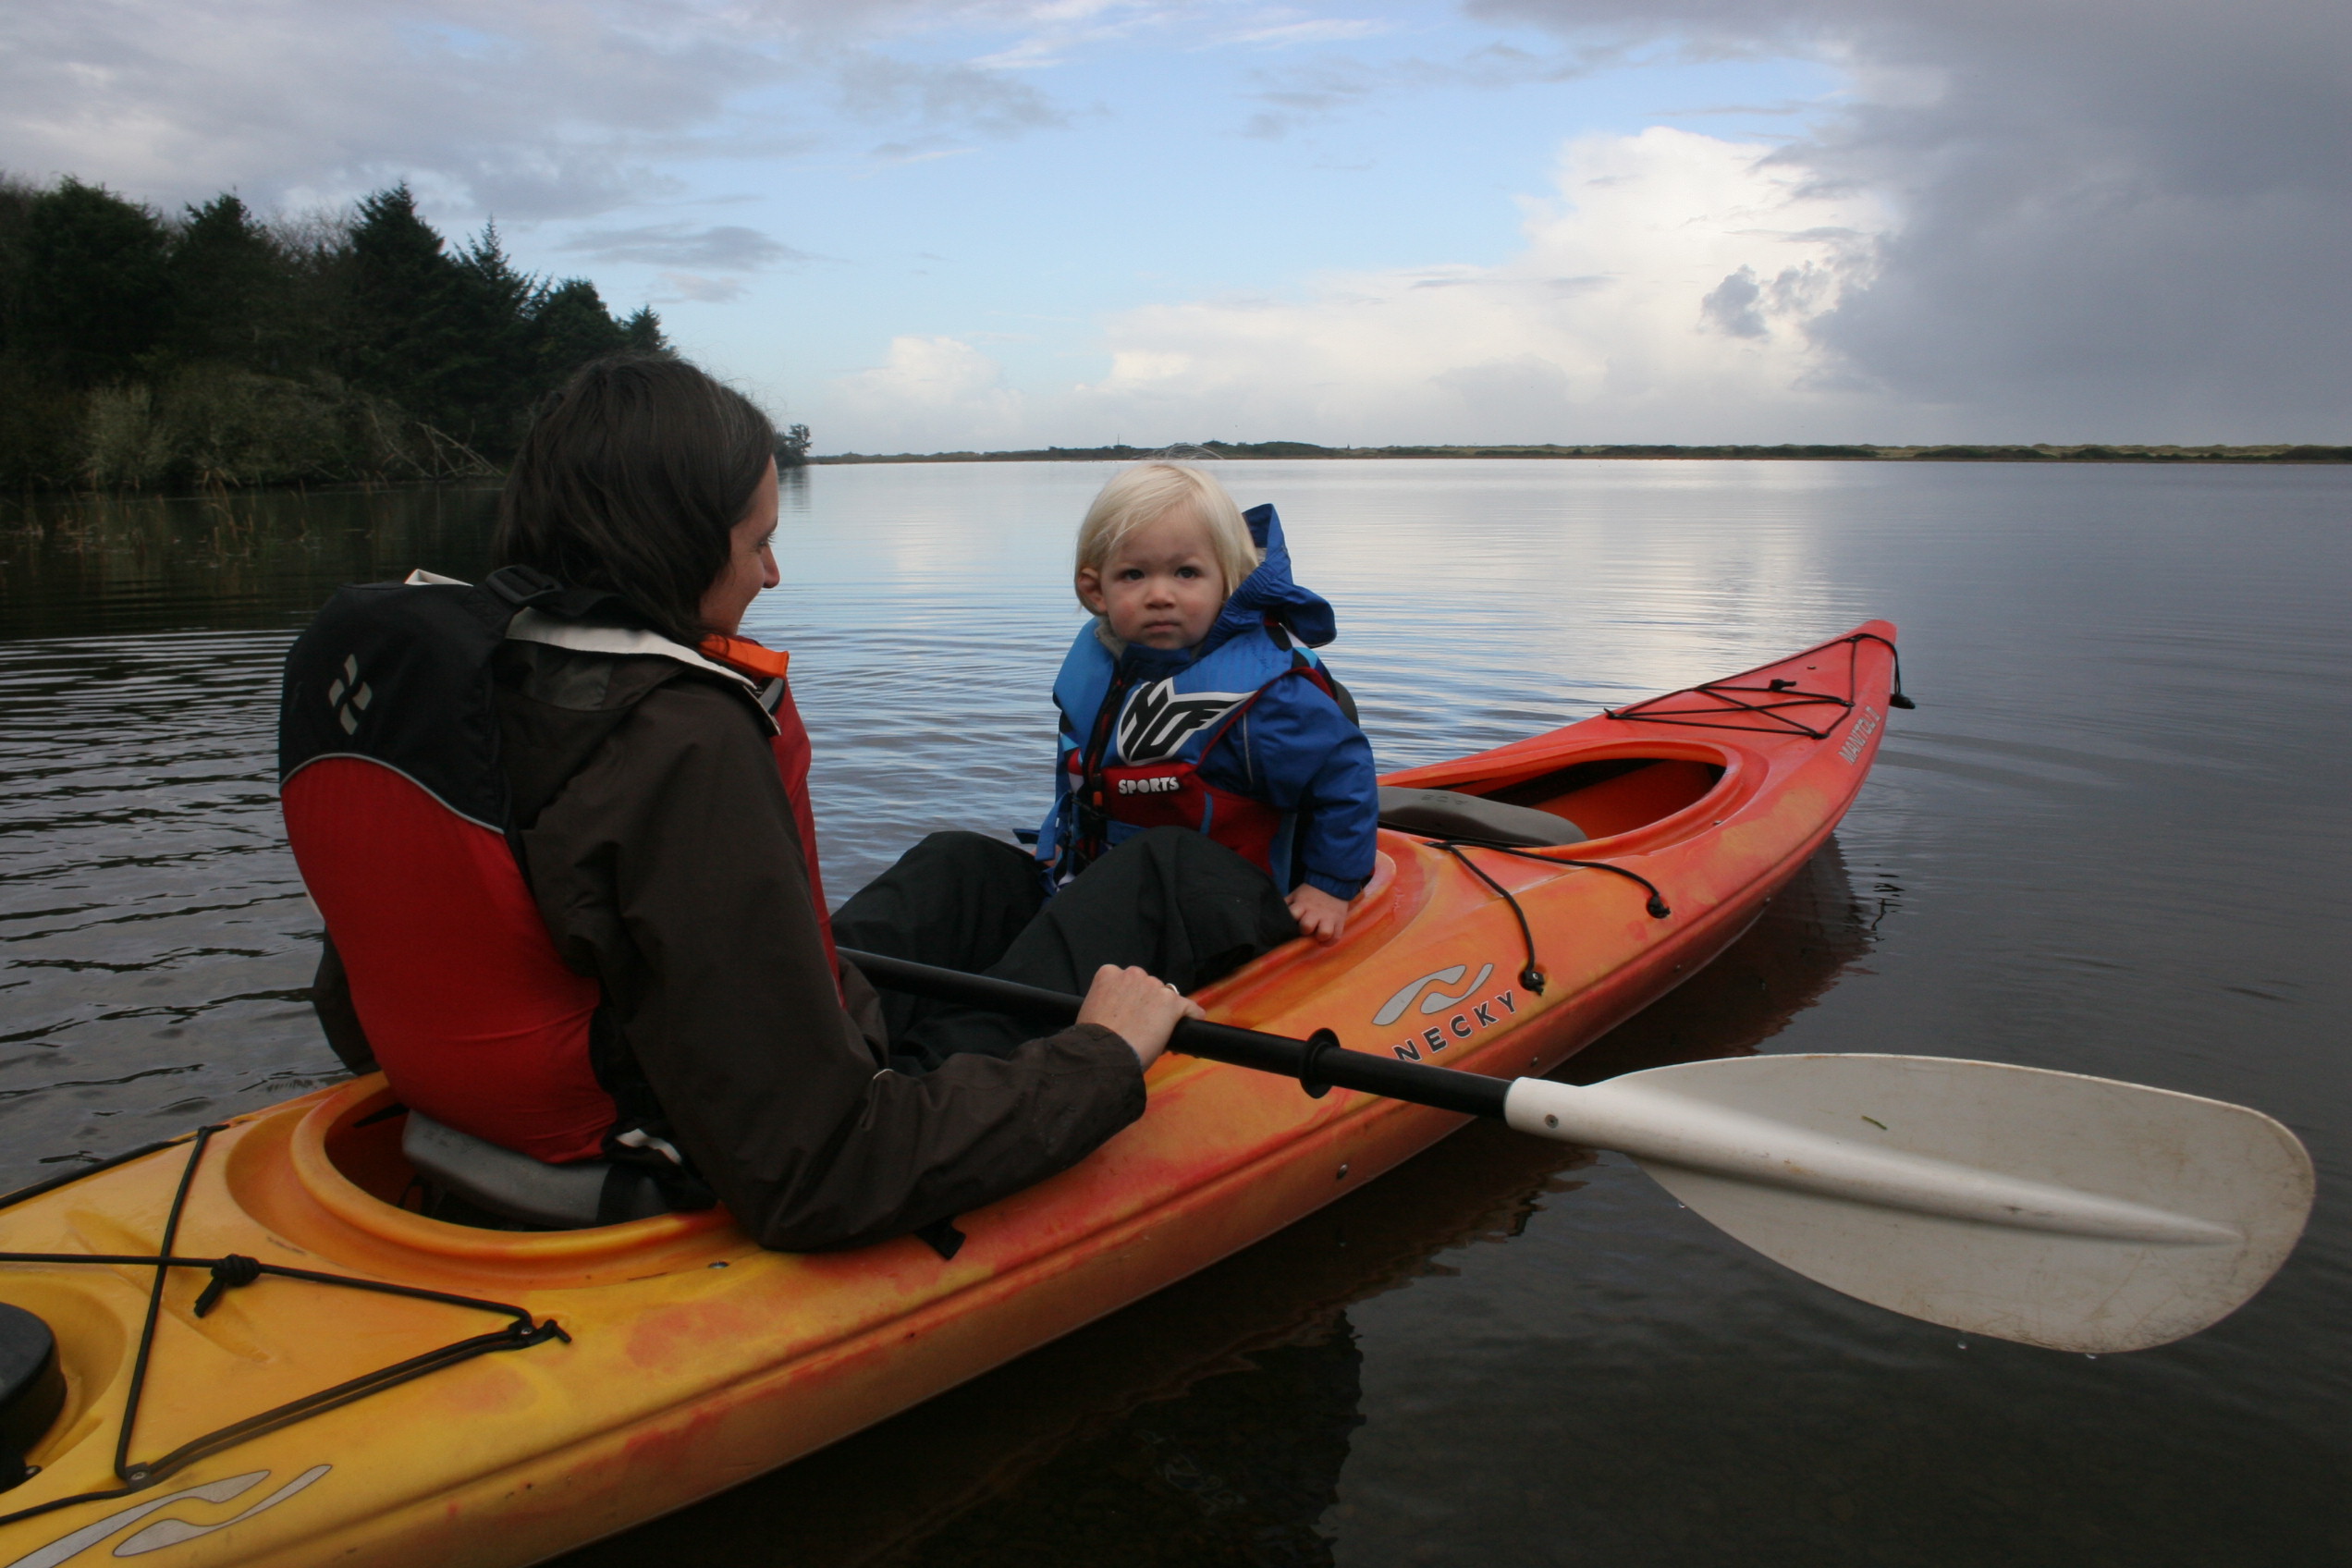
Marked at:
<point>397,811</point>
<point>791,745</point>
<point>1172,793</point>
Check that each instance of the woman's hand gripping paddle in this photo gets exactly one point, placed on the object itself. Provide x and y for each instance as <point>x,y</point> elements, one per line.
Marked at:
<point>2077,1213</point>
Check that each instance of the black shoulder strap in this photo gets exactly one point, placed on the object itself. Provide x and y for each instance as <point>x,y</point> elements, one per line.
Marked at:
<point>401,673</point>
<point>528,588</point>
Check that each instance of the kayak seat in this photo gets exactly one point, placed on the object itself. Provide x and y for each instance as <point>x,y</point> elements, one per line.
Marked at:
<point>524,1190</point>
<point>1449,814</point>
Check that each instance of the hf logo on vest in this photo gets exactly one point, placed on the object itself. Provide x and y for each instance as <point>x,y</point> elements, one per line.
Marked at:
<point>348,712</point>
<point>1156,722</point>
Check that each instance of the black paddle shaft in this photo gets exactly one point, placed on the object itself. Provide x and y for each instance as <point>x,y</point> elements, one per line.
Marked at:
<point>1318,1063</point>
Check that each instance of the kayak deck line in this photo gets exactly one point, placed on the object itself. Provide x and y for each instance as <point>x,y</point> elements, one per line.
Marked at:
<point>68,1178</point>
<point>1733,696</point>
<point>229,1272</point>
<point>1533,975</point>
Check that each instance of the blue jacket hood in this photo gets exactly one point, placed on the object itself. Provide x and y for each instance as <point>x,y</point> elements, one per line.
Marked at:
<point>1267,590</point>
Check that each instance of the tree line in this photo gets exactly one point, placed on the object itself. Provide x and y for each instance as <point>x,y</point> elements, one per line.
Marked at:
<point>220,348</point>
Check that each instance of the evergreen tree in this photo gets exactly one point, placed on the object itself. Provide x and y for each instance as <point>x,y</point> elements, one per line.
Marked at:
<point>641,333</point>
<point>37,419</point>
<point>95,289</point>
<point>407,329</point>
<point>232,295</point>
<point>485,398</point>
<point>573,328</point>
<point>16,200</point>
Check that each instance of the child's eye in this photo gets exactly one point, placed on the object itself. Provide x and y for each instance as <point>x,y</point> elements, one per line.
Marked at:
<point>1188,571</point>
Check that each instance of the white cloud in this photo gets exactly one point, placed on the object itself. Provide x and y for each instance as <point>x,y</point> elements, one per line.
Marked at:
<point>698,290</point>
<point>931,394</point>
<point>514,106</point>
<point>1325,30</point>
<point>1670,293</point>
<point>2120,221</point>
<point>1050,34</point>
<point>726,248</point>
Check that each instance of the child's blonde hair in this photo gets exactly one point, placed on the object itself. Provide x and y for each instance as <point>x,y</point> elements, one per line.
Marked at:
<point>1141,495</point>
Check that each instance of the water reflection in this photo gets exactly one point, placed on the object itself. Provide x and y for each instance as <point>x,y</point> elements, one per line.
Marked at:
<point>1787,962</point>
<point>88,565</point>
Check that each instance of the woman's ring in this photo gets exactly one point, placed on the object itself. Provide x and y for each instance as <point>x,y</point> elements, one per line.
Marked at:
<point>1171,985</point>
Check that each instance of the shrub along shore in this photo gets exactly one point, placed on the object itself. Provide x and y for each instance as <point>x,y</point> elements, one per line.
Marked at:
<point>1269,450</point>
<point>215,349</point>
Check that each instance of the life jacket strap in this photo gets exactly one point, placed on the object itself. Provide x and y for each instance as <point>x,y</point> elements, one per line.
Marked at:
<point>1173,793</point>
<point>752,659</point>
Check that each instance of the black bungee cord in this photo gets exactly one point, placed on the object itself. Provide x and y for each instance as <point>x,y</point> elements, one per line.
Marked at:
<point>1770,715</point>
<point>228,1273</point>
<point>1533,976</point>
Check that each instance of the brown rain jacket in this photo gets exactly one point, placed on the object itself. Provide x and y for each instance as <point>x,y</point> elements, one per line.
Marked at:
<point>661,846</point>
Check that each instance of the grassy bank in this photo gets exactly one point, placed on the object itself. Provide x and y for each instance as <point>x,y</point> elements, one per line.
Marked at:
<point>1296,449</point>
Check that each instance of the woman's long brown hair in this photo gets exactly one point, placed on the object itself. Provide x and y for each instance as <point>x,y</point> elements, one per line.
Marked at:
<point>630,480</point>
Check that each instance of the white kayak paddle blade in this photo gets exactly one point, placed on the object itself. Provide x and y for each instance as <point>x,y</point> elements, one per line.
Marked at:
<point>2077,1213</point>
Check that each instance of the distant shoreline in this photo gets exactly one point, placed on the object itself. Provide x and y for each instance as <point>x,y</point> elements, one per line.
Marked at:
<point>1951,454</point>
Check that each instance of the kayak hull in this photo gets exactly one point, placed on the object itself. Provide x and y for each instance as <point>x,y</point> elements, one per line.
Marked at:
<point>695,1360</point>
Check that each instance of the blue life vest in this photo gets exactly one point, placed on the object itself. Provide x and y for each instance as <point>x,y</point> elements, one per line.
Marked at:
<point>1162,737</point>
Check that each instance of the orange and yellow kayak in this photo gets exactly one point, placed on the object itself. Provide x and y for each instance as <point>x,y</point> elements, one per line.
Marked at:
<point>532,1392</point>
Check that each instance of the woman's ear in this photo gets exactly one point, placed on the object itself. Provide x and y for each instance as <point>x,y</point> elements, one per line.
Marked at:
<point>1090,592</point>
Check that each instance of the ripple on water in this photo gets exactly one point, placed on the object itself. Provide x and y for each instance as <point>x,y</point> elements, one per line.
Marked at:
<point>147,905</point>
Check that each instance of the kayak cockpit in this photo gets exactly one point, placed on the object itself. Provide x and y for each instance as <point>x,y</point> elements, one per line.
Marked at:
<point>337,1182</point>
<point>1554,799</point>
<point>1614,795</point>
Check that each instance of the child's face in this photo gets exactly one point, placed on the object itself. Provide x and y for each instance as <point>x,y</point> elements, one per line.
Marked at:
<point>1161,587</point>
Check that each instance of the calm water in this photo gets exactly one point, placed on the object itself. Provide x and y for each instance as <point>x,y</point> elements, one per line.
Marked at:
<point>2114,839</point>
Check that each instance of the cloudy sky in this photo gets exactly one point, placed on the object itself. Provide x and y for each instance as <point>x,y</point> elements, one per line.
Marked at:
<point>927,224</point>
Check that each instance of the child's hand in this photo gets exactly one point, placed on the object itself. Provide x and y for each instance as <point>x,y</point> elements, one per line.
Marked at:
<point>1318,915</point>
